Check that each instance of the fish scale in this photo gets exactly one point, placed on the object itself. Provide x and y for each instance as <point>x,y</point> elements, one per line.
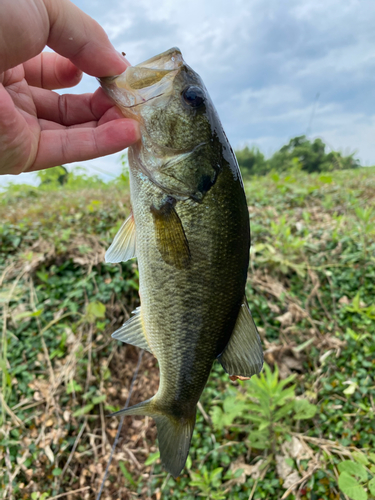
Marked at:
<point>189,230</point>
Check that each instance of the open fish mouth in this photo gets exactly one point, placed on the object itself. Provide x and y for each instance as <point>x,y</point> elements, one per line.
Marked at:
<point>145,81</point>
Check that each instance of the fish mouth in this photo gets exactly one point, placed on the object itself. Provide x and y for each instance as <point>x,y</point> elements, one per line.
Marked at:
<point>145,81</point>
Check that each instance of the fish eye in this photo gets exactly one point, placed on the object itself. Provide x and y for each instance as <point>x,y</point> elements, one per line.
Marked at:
<point>193,96</point>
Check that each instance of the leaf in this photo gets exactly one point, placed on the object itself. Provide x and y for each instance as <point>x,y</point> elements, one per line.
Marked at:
<point>360,458</point>
<point>284,410</point>
<point>99,399</point>
<point>351,487</point>
<point>232,408</point>
<point>95,310</point>
<point>49,453</point>
<point>126,474</point>
<point>304,409</point>
<point>73,386</point>
<point>152,458</point>
<point>354,469</point>
<point>371,486</point>
<point>351,388</point>
<point>259,440</point>
<point>256,418</point>
<point>216,472</point>
<point>111,408</point>
<point>82,411</point>
<point>28,314</point>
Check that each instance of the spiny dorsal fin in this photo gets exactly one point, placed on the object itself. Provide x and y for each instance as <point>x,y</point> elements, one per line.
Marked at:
<point>243,355</point>
<point>170,235</point>
<point>132,332</point>
<point>123,246</point>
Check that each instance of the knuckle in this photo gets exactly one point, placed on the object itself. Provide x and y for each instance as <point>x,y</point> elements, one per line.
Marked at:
<point>65,146</point>
<point>63,109</point>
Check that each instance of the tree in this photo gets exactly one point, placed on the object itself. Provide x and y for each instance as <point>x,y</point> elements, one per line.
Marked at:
<point>252,161</point>
<point>299,152</point>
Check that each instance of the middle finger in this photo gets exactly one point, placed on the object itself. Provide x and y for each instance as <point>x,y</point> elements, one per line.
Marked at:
<point>111,114</point>
<point>71,109</point>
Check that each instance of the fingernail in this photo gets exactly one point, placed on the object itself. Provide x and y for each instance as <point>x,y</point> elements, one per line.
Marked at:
<point>79,74</point>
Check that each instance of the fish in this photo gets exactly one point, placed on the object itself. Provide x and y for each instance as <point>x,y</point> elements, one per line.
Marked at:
<point>190,232</point>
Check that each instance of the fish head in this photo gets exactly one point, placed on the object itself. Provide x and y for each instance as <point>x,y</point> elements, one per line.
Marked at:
<point>168,99</point>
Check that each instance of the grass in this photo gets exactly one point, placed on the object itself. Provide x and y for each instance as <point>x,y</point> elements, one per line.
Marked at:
<point>311,289</point>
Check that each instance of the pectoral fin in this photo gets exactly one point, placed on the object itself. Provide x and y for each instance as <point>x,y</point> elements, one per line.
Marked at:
<point>132,332</point>
<point>243,355</point>
<point>124,245</point>
<point>170,235</point>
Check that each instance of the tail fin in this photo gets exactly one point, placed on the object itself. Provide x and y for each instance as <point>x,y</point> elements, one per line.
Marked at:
<point>174,434</point>
<point>174,437</point>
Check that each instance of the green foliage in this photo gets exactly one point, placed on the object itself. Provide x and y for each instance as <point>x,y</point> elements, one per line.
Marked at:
<point>59,177</point>
<point>207,482</point>
<point>311,291</point>
<point>269,404</point>
<point>127,474</point>
<point>95,310</point>
<point>232,407</point>
<point>304,409</point>
<point>56,176</point>
<point>299,153</point>
<point>273,402</point>
<point>252,161</point>
<point>354,478</point>
<point>351,487</point>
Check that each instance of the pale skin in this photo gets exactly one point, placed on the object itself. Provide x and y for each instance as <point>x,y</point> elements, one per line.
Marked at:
<point>38,127</point>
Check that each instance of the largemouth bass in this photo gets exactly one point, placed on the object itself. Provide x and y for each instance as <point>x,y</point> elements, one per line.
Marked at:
<point>189,230</point>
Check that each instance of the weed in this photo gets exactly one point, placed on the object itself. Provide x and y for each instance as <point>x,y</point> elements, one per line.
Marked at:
<point>283,434</point>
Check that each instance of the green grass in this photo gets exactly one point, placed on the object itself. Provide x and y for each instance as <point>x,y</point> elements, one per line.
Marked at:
<point>311,290</point>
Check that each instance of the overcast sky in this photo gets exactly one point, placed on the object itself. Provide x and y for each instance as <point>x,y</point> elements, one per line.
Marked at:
<point>265,64</point>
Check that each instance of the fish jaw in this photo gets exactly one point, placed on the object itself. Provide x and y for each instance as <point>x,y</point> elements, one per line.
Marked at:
<point>146,81</point>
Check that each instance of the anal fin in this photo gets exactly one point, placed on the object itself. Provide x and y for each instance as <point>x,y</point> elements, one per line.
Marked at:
<point>243,355</point>
<point>132,332</point>
<point>124,244</point>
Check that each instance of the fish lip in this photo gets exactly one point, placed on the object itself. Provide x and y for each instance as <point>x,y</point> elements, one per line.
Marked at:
<point>173,55</point>
<point>160,70</point>
<point>170,59</point>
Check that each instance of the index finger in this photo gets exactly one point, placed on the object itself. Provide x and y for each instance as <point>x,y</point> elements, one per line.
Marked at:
<point>75,35</point>
<point>27,26</point>
<point>49,70</point>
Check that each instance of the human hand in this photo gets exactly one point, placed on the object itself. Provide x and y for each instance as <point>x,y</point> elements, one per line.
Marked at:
<point>38,127</point>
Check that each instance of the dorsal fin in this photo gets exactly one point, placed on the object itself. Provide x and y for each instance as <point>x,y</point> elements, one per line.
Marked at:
<point>243,355</point>
<point>124,244</point>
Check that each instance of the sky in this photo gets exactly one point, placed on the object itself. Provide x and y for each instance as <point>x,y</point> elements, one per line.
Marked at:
<point>274,69</point>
